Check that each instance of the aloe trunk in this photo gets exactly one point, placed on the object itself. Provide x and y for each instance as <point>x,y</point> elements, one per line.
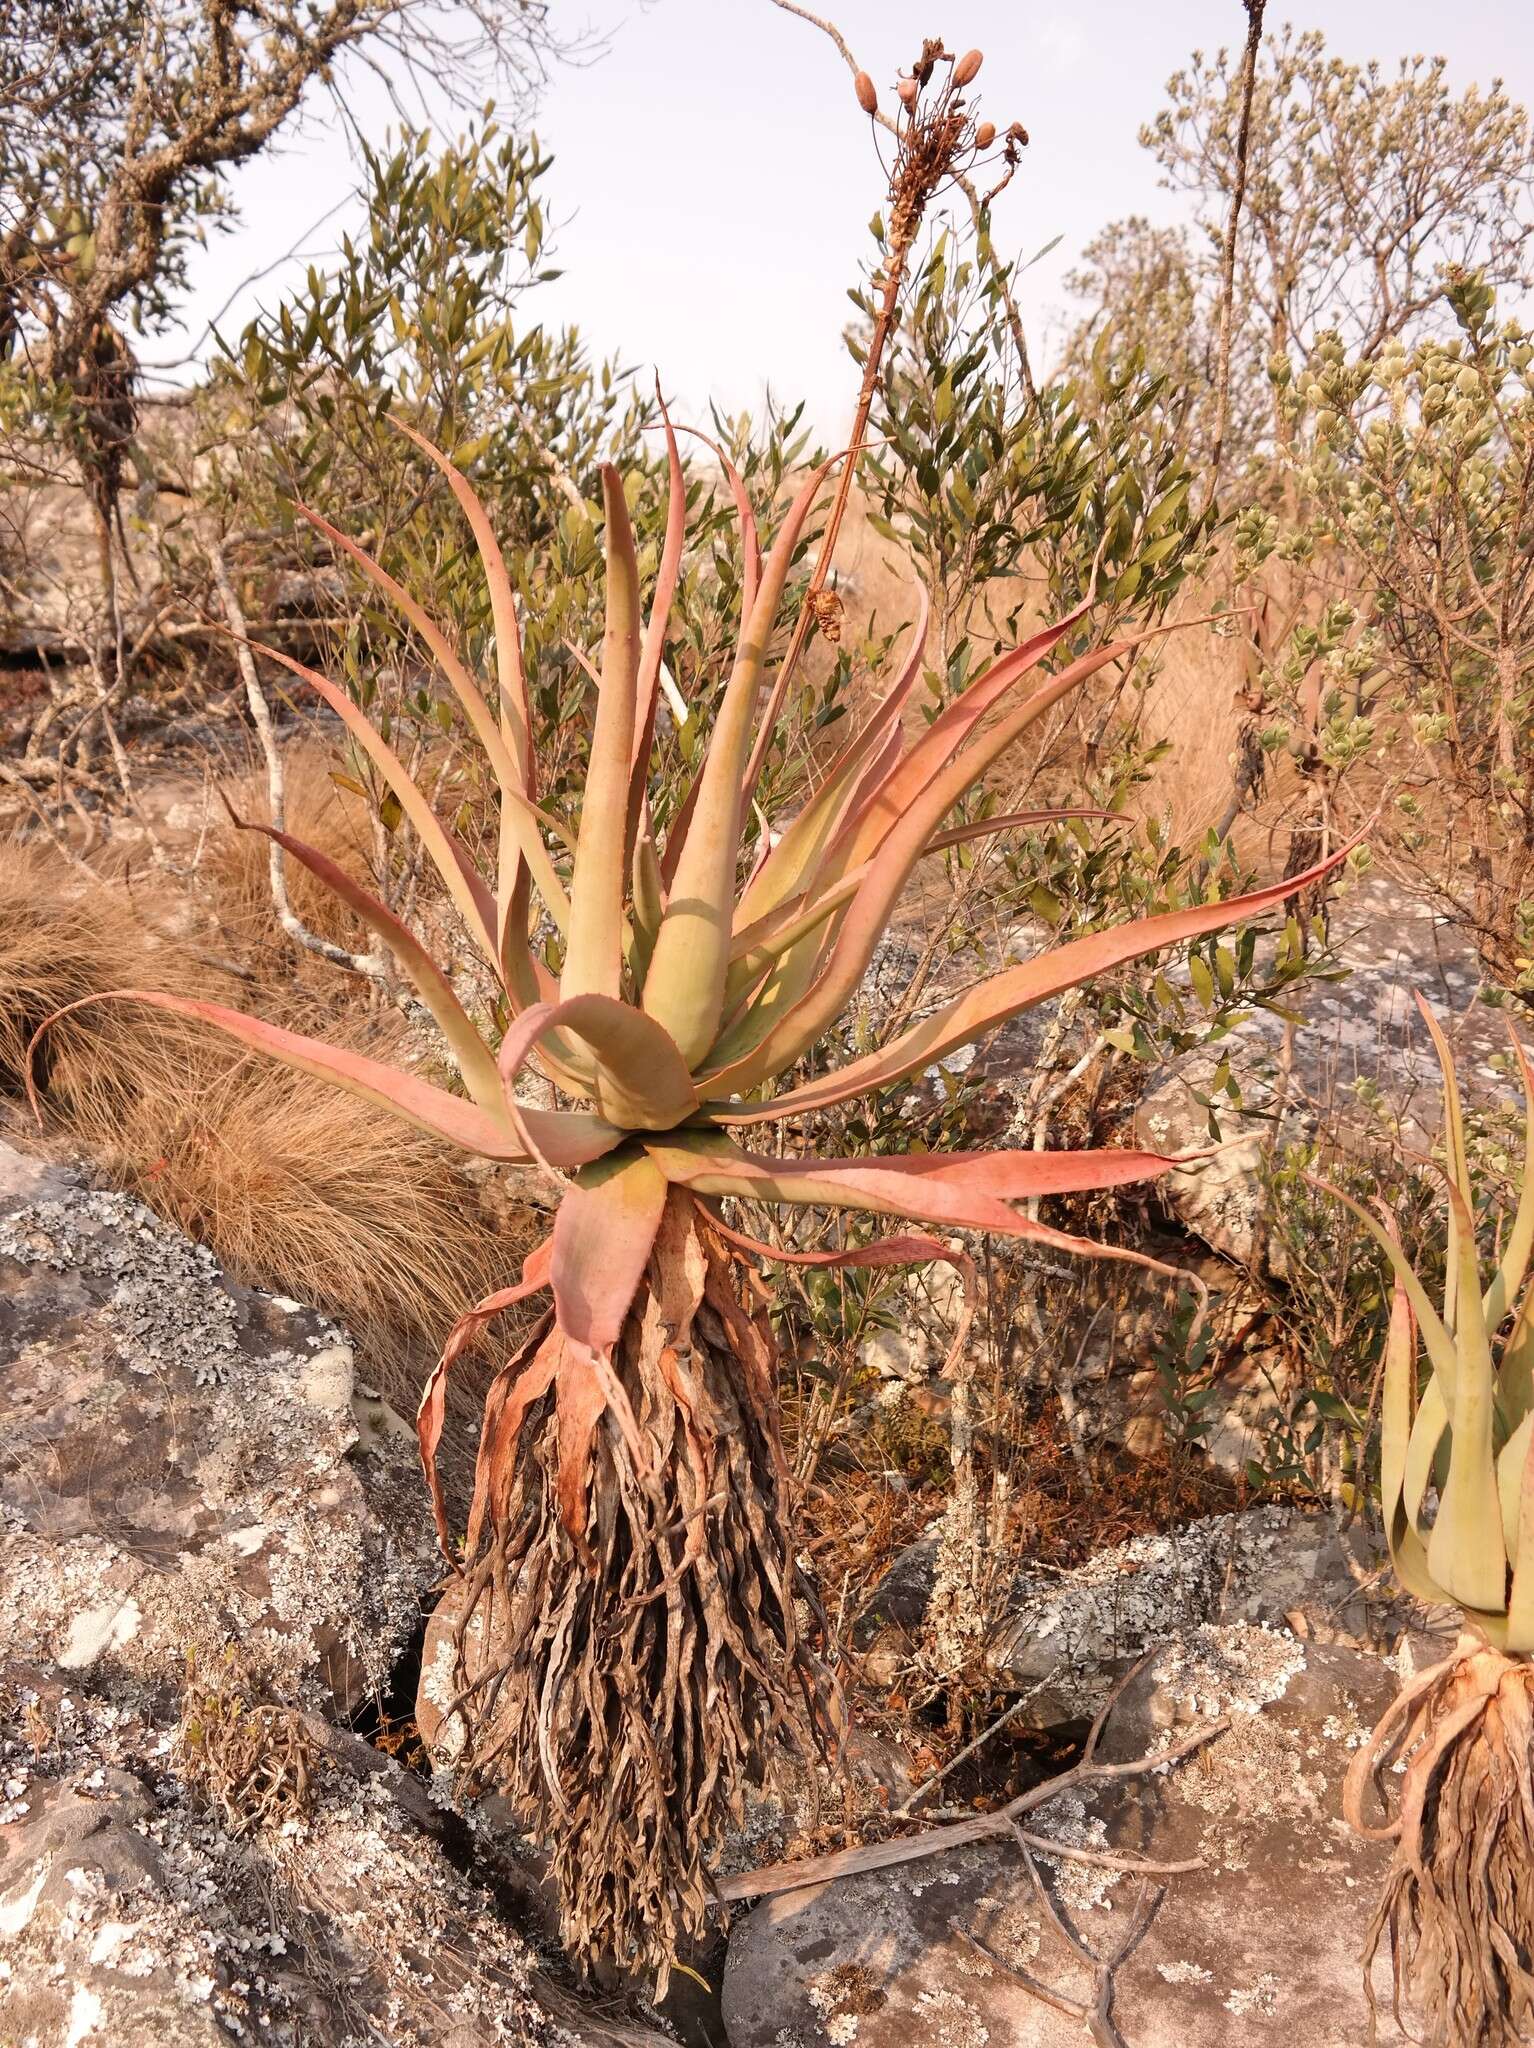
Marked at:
<point>626,1669</point>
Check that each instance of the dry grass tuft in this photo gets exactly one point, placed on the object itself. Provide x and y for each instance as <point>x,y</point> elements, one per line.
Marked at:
<point>251,1759</point>
<point>295,1183</point>
<point>316,809</point>
<point>291,1183</point>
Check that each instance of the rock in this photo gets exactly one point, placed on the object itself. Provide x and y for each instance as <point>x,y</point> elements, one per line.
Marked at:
<point>131,1918</point>
<point>1363,1029</point>
<point>1070,1633</point>
<point>1261,1945</point>
<point>898,1355</point>
<point>1219,1199</point>
<point>184,1469</point>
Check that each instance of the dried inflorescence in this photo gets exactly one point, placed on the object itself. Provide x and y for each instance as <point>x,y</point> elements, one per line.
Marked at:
<point>937,137</point>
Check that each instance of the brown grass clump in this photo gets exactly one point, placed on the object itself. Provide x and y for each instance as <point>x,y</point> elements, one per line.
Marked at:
<point>295,1183</point>
<point>292,1184</point>
<point>316,809</point>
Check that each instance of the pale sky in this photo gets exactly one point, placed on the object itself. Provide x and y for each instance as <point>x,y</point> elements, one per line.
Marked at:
<point>715,177</point>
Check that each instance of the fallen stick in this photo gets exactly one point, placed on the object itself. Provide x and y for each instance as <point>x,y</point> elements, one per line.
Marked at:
<point>773,1878</point>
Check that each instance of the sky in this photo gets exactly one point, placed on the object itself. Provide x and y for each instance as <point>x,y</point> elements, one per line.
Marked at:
<point>714,178</point>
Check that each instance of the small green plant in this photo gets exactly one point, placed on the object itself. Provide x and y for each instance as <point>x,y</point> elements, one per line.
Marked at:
<point>1457,1495</point>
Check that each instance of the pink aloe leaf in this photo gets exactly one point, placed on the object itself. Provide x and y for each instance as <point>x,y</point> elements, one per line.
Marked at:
<point>893,797</point>
<point>516,714</point>
<point>593,962</point>
<point>750,545</point>
<point>994,1001</point>
<point>432,1409</point>
<point>491,1133</point>
<point>756,946</point>
<point>884,1251</point>
<point>783,870</point>
<point>641,1080</point>
<point>604,1232</point>
<point>475,1060</point>
<point>462,882</point>
<point>711,1165</point>
<point>787,1021</point>
<point>510,774</point>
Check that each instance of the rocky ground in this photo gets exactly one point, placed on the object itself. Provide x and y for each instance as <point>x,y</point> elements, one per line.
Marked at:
<point>216,1551</point>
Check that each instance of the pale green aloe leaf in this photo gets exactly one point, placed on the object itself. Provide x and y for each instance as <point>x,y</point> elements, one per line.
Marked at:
<point>1459,1171</point>
<point>593,963</point>
<point>1520,1606</point>
<point>1513,1267</point>
<point>1440,1345</point>
<point>684,989</point>
<point>1396,1403</point>
<point>641,1081</point>
<point>649,904</point>
<point>1511,1460</point>
<point>1515,1379</point>
<point>1429,1430</point>
<point>653,650</point>
<point>1465,1551</point>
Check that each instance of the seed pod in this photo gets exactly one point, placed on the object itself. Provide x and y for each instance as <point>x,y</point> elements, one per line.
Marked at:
<point>907,91</point>
<point>868,99</point>
<point>985,135</point>
<point>1019,134</point>
<point>967,67</point>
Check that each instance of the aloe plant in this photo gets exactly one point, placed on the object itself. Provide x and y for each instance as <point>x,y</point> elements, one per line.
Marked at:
<point>623,1642</point>
<point>1457,1496</point>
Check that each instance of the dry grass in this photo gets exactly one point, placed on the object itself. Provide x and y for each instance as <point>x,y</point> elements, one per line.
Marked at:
<point>317,809</point>
<point>293,1184</point>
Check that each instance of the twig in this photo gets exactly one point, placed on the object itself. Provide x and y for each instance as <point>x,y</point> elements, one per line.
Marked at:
<point>369,964</point>
<point>979,1742</point>
<point>1254,13</point>
<point>788,1877</point>
<point>1099,2016</point>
